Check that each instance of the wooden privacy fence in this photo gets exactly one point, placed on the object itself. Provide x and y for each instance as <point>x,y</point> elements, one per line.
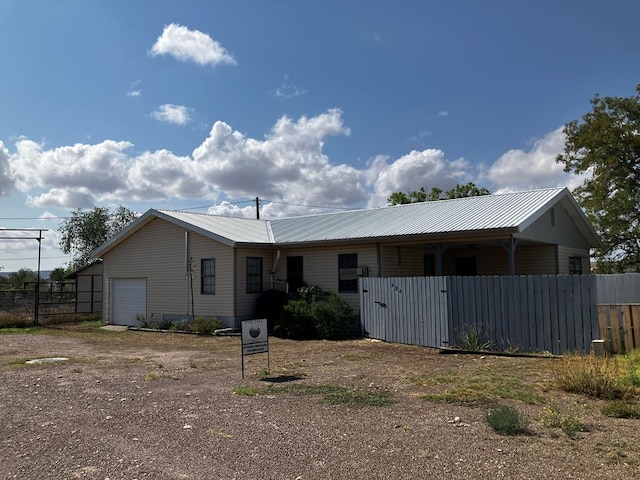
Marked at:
<point>553,313</point>
<point>620,326</point>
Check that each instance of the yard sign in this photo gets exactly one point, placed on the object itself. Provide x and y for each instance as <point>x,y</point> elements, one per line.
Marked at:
<point>255,339</point>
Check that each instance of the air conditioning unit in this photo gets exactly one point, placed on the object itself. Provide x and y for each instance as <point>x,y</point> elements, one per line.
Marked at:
<point>363,271</point>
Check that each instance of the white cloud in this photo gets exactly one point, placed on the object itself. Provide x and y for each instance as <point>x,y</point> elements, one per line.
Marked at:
<point>518,169</point>
<point>287,169</point>
<point>289,164</point>
<point>134,93</point>
<point>64,197</point>
<point>169,113</point>
<point>101,166</point>
<point>6,180</point>
<point>443,113</point>
<point>428,168</point>
<point>191,45</point>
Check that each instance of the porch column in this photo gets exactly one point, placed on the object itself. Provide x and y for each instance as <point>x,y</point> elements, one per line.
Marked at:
<point>438,249</point>
<point>510,247</point>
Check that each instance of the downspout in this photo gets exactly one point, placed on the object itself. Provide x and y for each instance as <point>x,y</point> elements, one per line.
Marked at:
<point>275,265</point>
<point>186,271</point>
<point>235,286</point>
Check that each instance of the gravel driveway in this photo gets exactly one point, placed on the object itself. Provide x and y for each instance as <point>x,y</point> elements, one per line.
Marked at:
<point>133,405</point>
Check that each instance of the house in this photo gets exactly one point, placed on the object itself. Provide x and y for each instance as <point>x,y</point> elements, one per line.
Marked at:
<point>170,264</point>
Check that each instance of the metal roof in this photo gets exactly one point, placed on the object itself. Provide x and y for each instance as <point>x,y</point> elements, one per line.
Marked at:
<point>234,229</point>
<point>509,213</point>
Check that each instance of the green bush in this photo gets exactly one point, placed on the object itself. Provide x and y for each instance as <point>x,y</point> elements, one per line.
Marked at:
<point>205,325</point>
<point>332,316</point>
<point>506,420</point>
<point>297,320</point>
<point>317,314</point>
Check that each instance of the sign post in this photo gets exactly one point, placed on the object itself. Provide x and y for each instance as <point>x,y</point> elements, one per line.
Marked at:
<point>255,339</point>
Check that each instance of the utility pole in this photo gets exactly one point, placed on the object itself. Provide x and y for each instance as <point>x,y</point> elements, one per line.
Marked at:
<point>257,208</point>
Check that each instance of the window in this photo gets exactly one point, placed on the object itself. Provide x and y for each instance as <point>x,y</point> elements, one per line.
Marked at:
<point>348,272</point>
<point>575,265</point>
<point>295,277</point>
<point>208,275</point>
<point>254,274</point>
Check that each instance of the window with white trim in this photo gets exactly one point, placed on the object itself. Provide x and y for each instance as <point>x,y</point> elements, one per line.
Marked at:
<point>208,276</point>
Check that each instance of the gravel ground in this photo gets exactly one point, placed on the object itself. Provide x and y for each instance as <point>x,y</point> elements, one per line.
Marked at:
<point>133,405</point>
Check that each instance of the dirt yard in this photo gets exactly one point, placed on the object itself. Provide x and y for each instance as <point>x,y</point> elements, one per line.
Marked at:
<point>135,405</point>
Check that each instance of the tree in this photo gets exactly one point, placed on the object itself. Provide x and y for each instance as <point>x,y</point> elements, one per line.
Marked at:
<point>85,230</point>
<point>605,147</point>
<point>57,274</point>
<point>459,191</point>
<point>18,280</point>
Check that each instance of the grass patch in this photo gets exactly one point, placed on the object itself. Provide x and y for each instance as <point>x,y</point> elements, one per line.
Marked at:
<point>19,330</point>
<point>506,420</point>
<point>17,362</point>
<point>248,391</point>
<point>599,377</point>
<point>485,386</point>
<point>333,395</point>
<point>622,409</point>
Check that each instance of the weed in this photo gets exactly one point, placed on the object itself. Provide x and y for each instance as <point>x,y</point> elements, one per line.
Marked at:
<point>622,409</point>
<point>509,347</point>
<point>151,376</point>
<point>506,420</point>
<point>599,377</point>
<point>205,325</point>
<point>144,321</point>
<point>567,417</point>
<point>473,339</point>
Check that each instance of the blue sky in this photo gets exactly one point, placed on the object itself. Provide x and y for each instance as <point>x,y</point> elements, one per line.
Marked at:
<point>163,104</point>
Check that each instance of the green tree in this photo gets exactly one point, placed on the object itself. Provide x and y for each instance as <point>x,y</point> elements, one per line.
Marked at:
<point>459,191</point>
<point>57,274</point>
<point>81,233</point>
<point>605,147</point>
<point>17,280</point>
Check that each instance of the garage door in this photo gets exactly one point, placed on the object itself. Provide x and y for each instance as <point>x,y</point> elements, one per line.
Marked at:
<point>128,299</point>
